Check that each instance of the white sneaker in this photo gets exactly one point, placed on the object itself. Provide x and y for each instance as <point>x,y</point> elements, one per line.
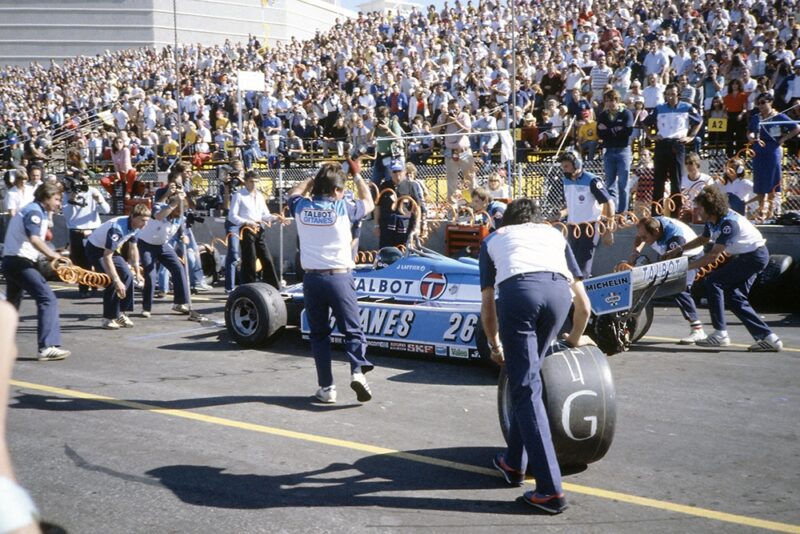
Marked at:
<point>181,308</point>
<point>111,324</point>
<point>360,386</point>
<point>51,354</point>
<point>203,288</point>
<point>326,395</point>
<point>145,314</point>
<point>714,340</point>
<point>768,344</point>
<point>124,321</point>
<point>696,335</point>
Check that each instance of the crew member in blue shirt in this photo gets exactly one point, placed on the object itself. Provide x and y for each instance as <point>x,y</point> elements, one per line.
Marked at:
<point>677,124</point>
<point>535,275</point>
<point>103,250</point>
<point>154,250</point>
<point>587,200</point>
<point>24,242</point>
<point>732,233</point>
<point>664,234</point>
<point>324,227</point>
<point>396,227</point>
<point>82,211</point>
<point>487,211</point>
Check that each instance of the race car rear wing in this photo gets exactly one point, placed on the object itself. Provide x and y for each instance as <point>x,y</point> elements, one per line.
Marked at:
<point>633,289</point>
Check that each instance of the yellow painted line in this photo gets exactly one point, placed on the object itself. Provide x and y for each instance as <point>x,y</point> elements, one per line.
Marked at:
<point>737,345</point>
<point>418,458</point>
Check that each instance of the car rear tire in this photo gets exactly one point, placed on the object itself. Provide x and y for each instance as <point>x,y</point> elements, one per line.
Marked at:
<point>772,283</point>
<point>254,313</point>
<point>582,413</point>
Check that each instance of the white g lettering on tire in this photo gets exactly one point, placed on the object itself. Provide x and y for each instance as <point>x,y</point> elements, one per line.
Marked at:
<point>565,413</point>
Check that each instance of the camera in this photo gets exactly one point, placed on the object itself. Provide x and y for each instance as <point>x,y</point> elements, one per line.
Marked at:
<point>74,184</point>
<point>192,217</point>
<point>234,181</point>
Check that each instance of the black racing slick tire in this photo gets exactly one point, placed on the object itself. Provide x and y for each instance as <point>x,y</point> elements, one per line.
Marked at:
<point>580,401</point>
<point>254,313</point>
<point>643,323</point>
<point>772,283</point>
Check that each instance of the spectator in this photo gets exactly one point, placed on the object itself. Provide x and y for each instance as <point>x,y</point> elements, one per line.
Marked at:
<point>694,180</point>
<point>387,133</point>
<point>768,130</point>
<point>735,103</point>
<point>457,154</point>
<point>615,127</point>
<point>20,194</point>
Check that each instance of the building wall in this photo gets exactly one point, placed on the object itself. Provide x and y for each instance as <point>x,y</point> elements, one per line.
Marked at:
<point>38,30</point>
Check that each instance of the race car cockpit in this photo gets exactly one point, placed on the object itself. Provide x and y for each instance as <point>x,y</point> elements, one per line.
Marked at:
<point>386,256</point>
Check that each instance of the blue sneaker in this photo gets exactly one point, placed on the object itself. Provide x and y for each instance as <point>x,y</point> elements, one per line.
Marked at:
<point>512,476</point>
<point>552,504</point>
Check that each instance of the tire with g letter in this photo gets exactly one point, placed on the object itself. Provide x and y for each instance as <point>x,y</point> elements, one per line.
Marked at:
<point>580,401</point>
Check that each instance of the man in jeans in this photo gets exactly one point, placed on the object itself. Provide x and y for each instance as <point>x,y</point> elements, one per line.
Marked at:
<point>457,153</point>
<point>614,127</point>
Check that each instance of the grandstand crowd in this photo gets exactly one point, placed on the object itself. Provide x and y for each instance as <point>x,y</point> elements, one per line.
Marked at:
<point>380,76</point>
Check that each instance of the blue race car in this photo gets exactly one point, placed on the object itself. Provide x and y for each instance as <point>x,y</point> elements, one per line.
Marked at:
<point>422,302</point>
<point>419,302</point>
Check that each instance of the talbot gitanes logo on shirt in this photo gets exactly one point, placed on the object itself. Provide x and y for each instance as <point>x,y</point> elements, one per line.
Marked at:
<point>318,217</point>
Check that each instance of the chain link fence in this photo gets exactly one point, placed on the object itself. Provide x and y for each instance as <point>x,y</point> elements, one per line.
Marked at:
<point>538,176</point>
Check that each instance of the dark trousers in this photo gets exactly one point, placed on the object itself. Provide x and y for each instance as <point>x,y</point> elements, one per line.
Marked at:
<point>583,249</point>
<point>254,247</point>
<point>531,308</point>
<point>686,305</point>
<point>77,253</point>
<point>151,257</point>
<point>112,305</point>
<point>324,294</point>
<point>732,282</point>
<point>233,256</point>
<point>22,275</point>
<point>668,163</point>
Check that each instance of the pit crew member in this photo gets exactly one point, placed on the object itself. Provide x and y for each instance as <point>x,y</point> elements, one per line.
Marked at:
<point>732,233</point>
<point>103,251</point>
<point>397,226</point>
<point>587,201</point>
<point>664,234</point>
<point>24,242</point>
<point>323,226</point>
<point>536,275</point>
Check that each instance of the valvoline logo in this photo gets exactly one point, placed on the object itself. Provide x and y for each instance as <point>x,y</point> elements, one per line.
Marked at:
<point>432,285</point>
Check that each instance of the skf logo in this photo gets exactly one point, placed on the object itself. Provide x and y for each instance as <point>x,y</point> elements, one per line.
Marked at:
<point>432,286</point>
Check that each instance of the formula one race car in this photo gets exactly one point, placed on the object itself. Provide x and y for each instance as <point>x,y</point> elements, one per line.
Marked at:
<point>428,304</point>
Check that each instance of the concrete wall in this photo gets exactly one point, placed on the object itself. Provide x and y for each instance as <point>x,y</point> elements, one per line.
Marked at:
<point>780,240</point>
<point>38,30</point>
